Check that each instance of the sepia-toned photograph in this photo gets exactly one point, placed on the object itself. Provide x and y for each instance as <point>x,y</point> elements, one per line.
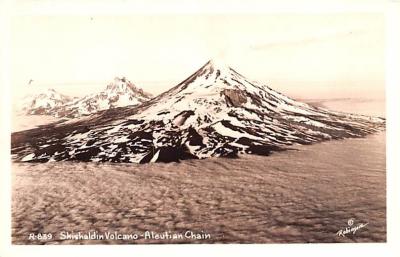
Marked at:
<point>220,128</point>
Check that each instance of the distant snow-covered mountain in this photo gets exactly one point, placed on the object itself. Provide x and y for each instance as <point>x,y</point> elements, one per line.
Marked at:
<point>44,103</point>
<point>118,93</point>
<point>121,92</point>
<point>216,112</point>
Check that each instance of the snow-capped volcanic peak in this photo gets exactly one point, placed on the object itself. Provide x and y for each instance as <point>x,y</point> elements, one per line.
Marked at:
<point>119,93</point>
<point>119,83</point>
<point>216,112</point>
<point>215,78</point>
<point>215,90</point>
<point>44,102</point>
<point>126,92</point>
<point>218,64</point>
<point>123,86</point>
<point>51,94</point>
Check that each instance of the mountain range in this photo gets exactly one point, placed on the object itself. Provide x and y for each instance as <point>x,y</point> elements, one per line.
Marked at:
<point>215,112</point>
<point>120,92</point>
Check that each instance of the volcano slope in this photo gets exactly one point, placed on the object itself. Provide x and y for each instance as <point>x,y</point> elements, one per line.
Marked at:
<point>216,112</point>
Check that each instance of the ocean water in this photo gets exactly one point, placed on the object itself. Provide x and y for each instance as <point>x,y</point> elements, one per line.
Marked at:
<point>305,195</point>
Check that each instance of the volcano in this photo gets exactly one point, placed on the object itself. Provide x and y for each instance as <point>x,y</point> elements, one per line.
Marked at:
<point>44,103</point>
<point>120,92</point>
<point>216,112</point>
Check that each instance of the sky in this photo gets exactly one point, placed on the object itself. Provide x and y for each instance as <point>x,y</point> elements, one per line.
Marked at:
<point>315,55</point>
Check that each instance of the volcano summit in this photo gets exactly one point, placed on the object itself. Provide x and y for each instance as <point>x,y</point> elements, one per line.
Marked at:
<point>216,112</point>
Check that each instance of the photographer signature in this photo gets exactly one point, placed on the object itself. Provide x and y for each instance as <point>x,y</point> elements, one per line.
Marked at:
<point>351,228</point>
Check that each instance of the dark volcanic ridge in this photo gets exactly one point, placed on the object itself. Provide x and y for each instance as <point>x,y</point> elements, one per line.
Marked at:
<point>216,112</point>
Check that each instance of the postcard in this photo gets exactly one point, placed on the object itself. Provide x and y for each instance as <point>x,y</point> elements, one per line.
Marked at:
<point>197,127</point>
